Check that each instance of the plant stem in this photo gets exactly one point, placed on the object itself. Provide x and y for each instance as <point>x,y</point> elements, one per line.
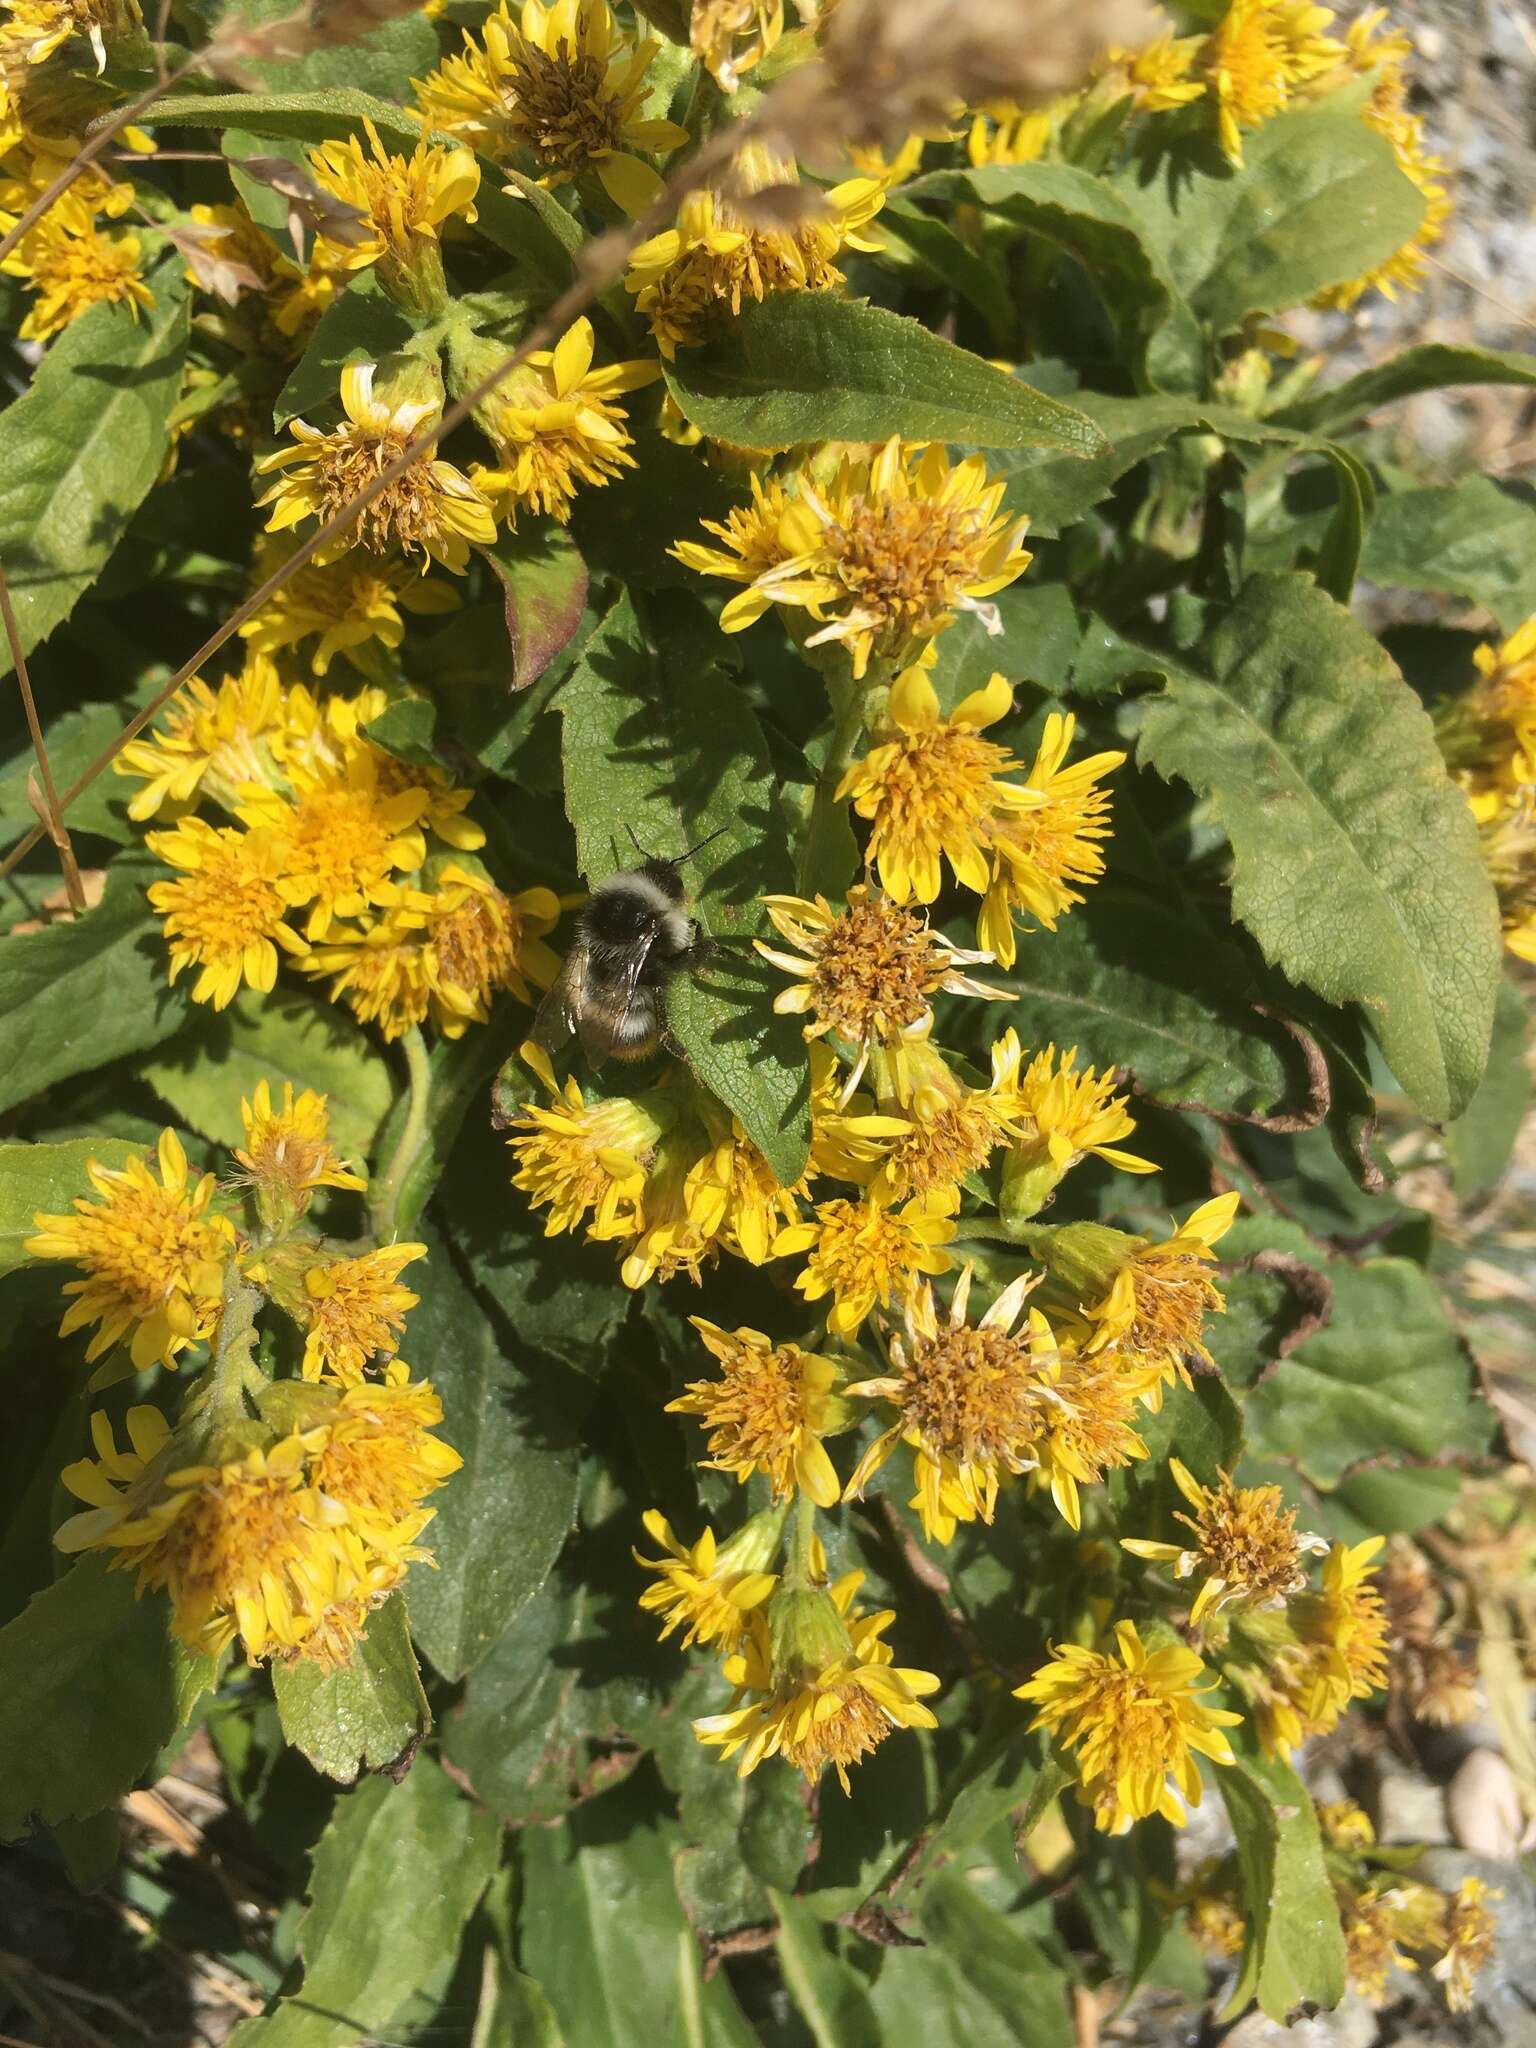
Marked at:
<point>802,1538</point>
<point>234,1354</point>
<point>819,867</point>
<point>385,1203</point>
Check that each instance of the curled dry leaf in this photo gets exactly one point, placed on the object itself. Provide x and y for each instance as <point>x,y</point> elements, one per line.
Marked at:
<point>221,275</point>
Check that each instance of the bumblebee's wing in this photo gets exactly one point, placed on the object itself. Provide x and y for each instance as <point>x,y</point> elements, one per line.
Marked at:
<point>611,977</point>
<point>559,1014</point>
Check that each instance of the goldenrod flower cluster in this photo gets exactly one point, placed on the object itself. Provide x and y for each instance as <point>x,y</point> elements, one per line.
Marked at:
<point>1393,1922</point>
<point>1488,737</point>
<point>279,1512</point>
<point>337,855</point>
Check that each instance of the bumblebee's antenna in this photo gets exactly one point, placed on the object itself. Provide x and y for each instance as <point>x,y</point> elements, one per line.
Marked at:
<point>676,861</point>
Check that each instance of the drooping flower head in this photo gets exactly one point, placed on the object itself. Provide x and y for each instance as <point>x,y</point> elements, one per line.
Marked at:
<point>404,201</point>
<point>226,913</point>
<point>432,508</point>
<point>821,1684</point>
<point>353,1309</point>
<point>971,1402</point>
<point>767,1412</point>
<point>153,1251</point>
<point>578,1159</point>
<point>1135,1722</point>
<point>1469,1942</point>
<point>557,426</point>
<point>1247,1550</point>
<point>709,1588</point>
<point>344,607</point>
<point>1153,1312</point>
<point>561,85</point>
<point>1042,851</point>
<point>1332,1651</point>
<point>693,279</point>
<point>730,36</point>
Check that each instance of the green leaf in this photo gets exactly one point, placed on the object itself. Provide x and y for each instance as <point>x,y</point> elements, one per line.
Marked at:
<point>1144,985</point>
<point>369,1716</point>
<point>829,1996</point>
<point>544,581</point>
<point>600,1921</point>
<point>337,111</point>
<point>663,745</point>
<point>501,1520</point>
<point>284,1036</point>
<point>1470,540</point>
<point>81,447</point>
<point>513,2011</point>
<point>980,1982</point>
<point>1055,491</point>
<point>83,992</point>
<point>1356,862</point>
<point>395,1877</point>
<point>1432,366</point>
<point>806,366</point>
<point>1386,1378</point>
<point>362,325</point>
<point>74,741</point>
<point>383,61</point>
<point>1319,200</point>
<point>1479,1142</point>
<point>1088,220</point>
<point>1295,1949</point>
<point>1338,557</point>
<point>49,1177</point>
<point>91,1687</point>
<point>941,252</point>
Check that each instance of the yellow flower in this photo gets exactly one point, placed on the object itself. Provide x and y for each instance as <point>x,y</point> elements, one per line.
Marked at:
<point>1134,1723</point>
<point>444,954</point>
<point>691,280</point>
<point>1470,1942</point>
<point>1089,1426</point>
<point>767,1412</point>
<point>556,426</point>
<point>1337,1652</point>
<point>405,200</point>
<point>210,741</point>
<point>342,838</point>
<point>826,1690</point>
<point>1040,849</point>
<point>1155,1309</point>
<point>1247,1549</point>
<point>563,85</point>
<point>711,1587</point>
<point>1345,1825</point>
<point>153,1253</point>
<point>1014,137</point>
<point>755,538</point>
<point>971,1402</point>
<point>1061,1116</point>
<point>732,1194</point>
<point>1257,55</point>
<point>950,1131</point>
<point>36,28</point>
<point>1384,57</point>
<point>867,972</point>
<point>345,606</point>
<point>288,1154</point>
<point>1380,1923</point>
<point>932,788</point>
<point>431,507</point>
<point>576,1157</point>
<point>225,912</point>
<point>72,264</point>
<point>889,550</point>
<point>729,36</point>
<point>284,1540</point>
<point>862,1253</point>
<point>1156,77</point>
<point>352,1309</point>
